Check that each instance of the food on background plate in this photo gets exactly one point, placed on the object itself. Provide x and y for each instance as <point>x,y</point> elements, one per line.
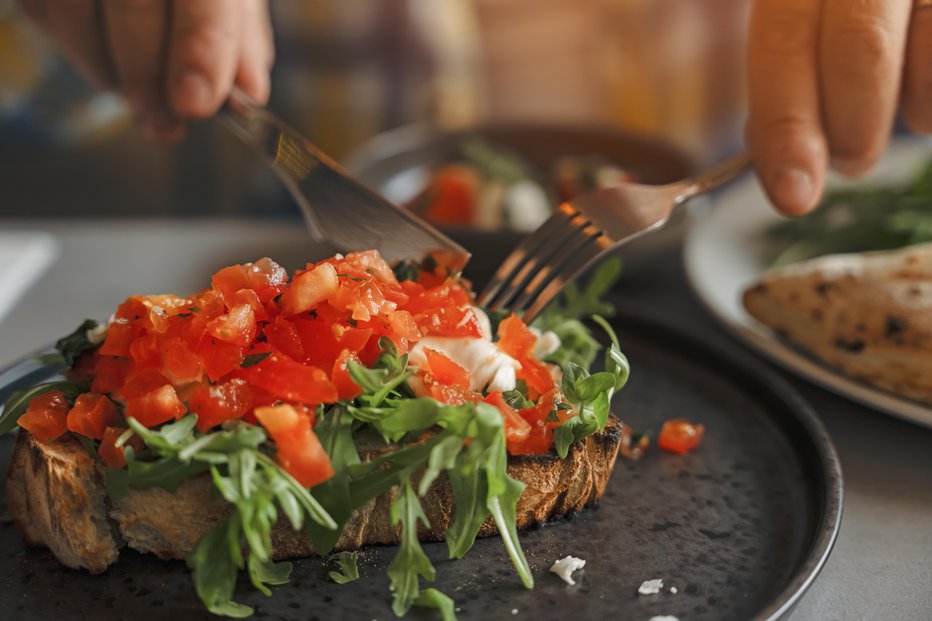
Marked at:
<point>489,188</point>
<point>868,315</point>
<point>858,219</point>
<point>272,417</point>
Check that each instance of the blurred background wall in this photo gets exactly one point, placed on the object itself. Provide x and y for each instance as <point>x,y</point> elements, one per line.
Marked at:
<point>349,69</point>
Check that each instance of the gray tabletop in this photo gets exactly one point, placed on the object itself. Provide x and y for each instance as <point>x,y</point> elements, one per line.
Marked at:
<point>881,567</point>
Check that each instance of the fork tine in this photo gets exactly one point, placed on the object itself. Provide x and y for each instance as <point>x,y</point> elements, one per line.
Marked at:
<point>572,236</point>
<point>557,271</point>
<point>530,246</point>
<point>567,273</point>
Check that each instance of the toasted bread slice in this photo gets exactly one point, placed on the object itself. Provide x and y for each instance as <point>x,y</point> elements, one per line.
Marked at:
<point>57,497</point>
<point>868,315</point>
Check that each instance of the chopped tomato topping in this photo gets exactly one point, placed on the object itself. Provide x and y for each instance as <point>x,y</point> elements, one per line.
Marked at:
<point>221,402</point>
<point>299,450</point>
<point>517,340</point>
<point>156,407</point>
<point>112,455</point>
<point>91,415</point>
<point>680,436</point>
<point>237,327</point>
<point>444,370</point>
<point>46,416</point>
<point>310,289</point>
<point>516,428</point>
<point>346,387</point>
<point>290,380</point>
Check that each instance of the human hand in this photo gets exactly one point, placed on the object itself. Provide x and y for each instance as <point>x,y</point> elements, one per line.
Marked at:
<point>173,60</point>
<point>826,78</point>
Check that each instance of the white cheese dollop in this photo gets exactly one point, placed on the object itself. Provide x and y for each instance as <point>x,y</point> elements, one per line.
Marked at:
<point>97,335</point>
<point>566,566</point>
<point>664,618</point>
<point>487,365</point>
<point>651,587</point>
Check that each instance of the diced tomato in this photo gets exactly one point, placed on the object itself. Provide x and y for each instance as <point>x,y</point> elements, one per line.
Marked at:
<point>46,415</point>
<point>156,407</point>
<point>109,374</point>
<point>290,380</point>
<point>120,335</point>
<point>237,327</point>
<point>443,311</point>
<point>444,370</point>
<point>346,387</point>
<point>403,327</point>
<point>90,415</point>
<point>250,298</point>
<point>84,366</point>
<point>265,277</point>
<point>321,344</point>
<point>179,363</point>
<point>219,357</point>
<point>146,351</point>
<point>371,262</point>
<point>299,451</point>
<point>281,334</point>
<point>516,428</point>
<point>539,440</point>
<point>680,436</point>
<point>363,299</point>
<point>142,381</point>
<point>112,455</point>
<point>309,289</point>
<point>517,340</point>
<point>219,403</point>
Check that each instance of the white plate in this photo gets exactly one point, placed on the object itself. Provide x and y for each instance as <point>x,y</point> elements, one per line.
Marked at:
<point>723,255</point>
<point>24,258</point>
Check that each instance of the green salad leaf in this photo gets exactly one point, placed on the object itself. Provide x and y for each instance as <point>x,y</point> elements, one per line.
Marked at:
<point>349,568</point>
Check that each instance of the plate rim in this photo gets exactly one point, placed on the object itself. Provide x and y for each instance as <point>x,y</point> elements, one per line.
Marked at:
<point>822,448</point>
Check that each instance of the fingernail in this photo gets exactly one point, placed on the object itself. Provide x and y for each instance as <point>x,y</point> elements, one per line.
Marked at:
<point>193,96</point>
<point>793,190</point>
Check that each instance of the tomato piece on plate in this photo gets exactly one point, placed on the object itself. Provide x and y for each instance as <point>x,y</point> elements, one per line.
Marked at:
<point>216,404</point>
<point>290,380</point>
<point>444,370</point>
<point>112,455</point>
<point>299,451</point>
<point>454,194</point>
<point>516,428</point>
<point>90,415</point>
<point>346,387</point>
<point>46,415</point>
<point>680,436</point>
<point>309,289</point>
<point>156,407</point>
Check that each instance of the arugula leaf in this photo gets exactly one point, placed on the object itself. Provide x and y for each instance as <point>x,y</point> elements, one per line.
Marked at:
<point>349,570</point>
<point>214,571</point>
<point>253,359</point>
<point>76,343</point>
<point>432,598</point>
<point>517,399</point>
<point>410,561</point>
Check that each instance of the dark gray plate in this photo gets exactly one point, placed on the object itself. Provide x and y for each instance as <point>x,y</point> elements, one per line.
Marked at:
<point>740,527</point>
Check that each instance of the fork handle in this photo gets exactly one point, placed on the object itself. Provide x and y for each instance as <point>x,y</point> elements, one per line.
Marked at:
<point>716,176</point>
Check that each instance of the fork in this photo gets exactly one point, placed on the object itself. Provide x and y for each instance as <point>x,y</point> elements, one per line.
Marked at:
<point>585,230</point>
<point>337,208</point>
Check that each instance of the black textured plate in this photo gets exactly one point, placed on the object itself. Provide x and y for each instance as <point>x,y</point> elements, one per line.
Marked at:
<point>740,526</point>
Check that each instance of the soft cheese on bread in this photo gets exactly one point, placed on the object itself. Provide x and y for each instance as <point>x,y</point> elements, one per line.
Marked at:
<point>868,315</point>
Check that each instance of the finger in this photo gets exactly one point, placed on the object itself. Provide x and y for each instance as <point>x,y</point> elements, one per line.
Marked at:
<point>861,59</point>
<point>784,128</point>
<point>917,85</point>
<point>76,27</point>
<point>136,32</point>
<point>203,54</point>
<point>257,52</point>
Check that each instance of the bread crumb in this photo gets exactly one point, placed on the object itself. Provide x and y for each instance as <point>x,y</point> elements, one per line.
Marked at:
<point>651,587</point>
<point>566,566</point>
<point>664,618</point>
<point>674,590</point>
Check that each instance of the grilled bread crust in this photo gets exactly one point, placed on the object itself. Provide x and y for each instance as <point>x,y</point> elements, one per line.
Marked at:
<point>868,315</point>
<point>57,498</point>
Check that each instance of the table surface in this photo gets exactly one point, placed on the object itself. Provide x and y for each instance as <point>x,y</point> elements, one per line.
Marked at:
<point>881,567</point>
